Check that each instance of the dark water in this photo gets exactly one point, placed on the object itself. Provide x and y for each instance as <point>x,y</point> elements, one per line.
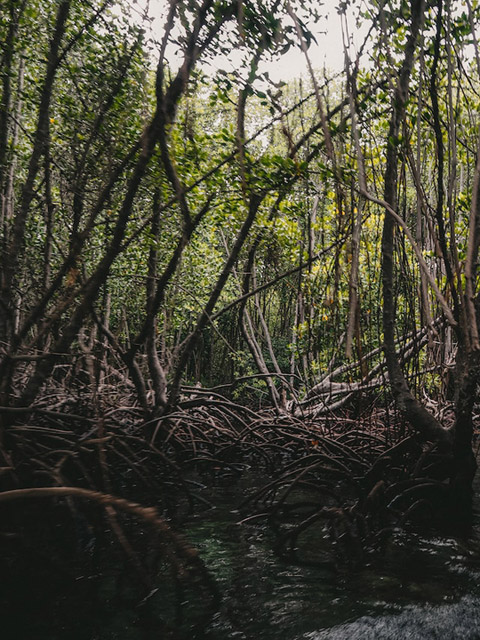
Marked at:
<point>425,587</point>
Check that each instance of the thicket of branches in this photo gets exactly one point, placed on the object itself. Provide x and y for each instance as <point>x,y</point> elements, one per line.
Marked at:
<point>181,249</point>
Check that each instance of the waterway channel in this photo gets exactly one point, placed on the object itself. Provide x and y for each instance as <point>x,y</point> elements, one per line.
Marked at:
<point>424,587</point>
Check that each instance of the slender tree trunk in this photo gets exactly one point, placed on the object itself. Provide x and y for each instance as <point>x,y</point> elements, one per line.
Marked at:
<point>204,318</point>
<point>467,376</point>
<point>420,419</point>
<point>16,236</point>
<point>155,368</point>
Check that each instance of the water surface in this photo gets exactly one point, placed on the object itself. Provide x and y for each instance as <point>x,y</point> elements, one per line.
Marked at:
<point>425,586</point>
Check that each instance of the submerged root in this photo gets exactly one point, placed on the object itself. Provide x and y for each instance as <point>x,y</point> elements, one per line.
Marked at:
<point>331,487</point>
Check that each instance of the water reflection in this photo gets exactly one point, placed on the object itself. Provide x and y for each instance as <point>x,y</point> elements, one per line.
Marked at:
<point>425,587</point>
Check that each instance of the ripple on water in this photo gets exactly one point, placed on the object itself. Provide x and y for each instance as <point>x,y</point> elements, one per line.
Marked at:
<point>459,621</point>
<point>425,586</point>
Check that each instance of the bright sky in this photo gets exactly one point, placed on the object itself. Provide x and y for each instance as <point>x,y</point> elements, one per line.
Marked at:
<point>328,52</point>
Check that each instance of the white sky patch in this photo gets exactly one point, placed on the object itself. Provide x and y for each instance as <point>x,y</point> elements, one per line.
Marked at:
<point>327,52</point>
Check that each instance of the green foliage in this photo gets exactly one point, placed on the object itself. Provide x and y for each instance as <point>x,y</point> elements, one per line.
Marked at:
<point>105,98</point>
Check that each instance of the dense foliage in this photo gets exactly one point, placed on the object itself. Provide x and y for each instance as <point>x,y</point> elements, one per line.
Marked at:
<point>165,227</point>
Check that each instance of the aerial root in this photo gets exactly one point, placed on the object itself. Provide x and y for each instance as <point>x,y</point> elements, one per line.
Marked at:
<point>182,557</point>
<point>343,479</point>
